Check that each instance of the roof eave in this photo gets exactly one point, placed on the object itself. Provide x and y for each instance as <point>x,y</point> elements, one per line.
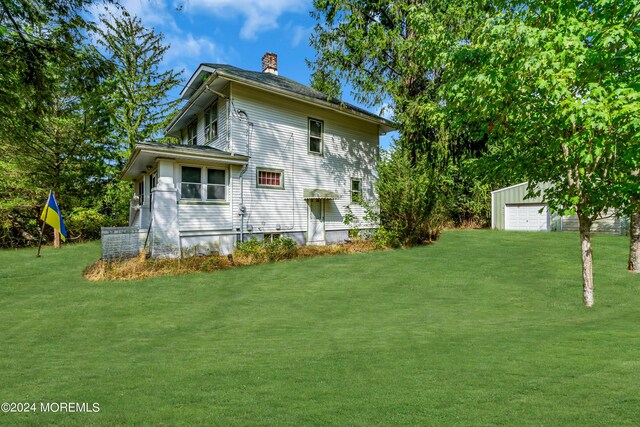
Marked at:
<point>168,131</point>
<point>176,153</point>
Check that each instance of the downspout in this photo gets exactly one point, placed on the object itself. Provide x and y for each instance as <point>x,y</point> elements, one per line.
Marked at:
<point>243,209</point>
<point>229,126</point>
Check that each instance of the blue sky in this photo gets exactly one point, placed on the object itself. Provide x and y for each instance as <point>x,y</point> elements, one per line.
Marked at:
<point>236,32</point>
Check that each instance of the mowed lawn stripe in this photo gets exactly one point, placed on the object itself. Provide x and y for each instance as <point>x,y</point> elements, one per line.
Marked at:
<point>482,327</point>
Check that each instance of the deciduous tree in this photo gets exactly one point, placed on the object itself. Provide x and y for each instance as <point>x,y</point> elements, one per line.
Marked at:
<point>550,76</point>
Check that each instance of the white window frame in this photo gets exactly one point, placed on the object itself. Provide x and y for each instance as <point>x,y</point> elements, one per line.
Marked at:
<point>204,183</point>
<point>270,170</point>
<point>211,123</point>
<point>321,137</point>
<point>358,191</point>
<point>192,139</point>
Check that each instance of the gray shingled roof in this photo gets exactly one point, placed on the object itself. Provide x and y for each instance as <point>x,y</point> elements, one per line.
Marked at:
<point>283,83</point>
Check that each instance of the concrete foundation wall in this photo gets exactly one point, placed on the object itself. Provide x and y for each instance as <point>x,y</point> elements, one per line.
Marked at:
<point>207,245</point>
<point>122,242</point>
<point>336,236</point>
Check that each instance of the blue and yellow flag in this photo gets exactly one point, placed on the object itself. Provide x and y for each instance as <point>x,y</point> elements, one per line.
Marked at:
<point>52,216</point>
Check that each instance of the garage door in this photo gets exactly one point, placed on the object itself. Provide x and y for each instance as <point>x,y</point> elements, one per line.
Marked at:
<point>527,217</point>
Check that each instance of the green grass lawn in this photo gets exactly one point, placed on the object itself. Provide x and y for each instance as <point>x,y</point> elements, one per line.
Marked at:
<point>481,328</point>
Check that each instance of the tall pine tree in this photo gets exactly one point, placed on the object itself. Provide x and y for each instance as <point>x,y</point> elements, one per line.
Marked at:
<point>140,101</point>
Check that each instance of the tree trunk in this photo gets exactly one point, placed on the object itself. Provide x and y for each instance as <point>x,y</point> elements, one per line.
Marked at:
<point>587,261</point>
<point>634,245</point>
<point>56,239</point>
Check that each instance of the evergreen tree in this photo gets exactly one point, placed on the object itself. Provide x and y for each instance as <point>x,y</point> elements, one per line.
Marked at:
<point>53,120</point>
<point>140,87</point>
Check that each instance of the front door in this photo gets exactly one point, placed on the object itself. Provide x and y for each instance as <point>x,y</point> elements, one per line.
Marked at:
<point>315,228</point>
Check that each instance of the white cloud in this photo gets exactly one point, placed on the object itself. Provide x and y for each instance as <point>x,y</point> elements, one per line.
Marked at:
<point>300,33</point>
<point>260,15</point>
<point>156,14</point>
<point>189,46</point>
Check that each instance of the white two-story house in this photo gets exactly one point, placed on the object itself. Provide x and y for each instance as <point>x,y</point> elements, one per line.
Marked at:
<point>260,156</point>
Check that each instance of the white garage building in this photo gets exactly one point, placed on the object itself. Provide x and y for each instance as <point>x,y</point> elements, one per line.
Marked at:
<point>511,211</point>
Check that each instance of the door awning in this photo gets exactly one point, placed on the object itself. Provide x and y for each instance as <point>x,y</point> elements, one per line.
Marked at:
<point>316,193</point>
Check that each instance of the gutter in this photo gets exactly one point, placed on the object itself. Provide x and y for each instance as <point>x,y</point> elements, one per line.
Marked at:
<point>177,154</point>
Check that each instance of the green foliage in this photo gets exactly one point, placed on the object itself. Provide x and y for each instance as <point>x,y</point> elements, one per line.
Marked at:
<point>412,205</point>
<point>58,101</point>
<point>384,238</point>
<point>140,88</point>
<point>351,220</point>
<point>267,249</point>
<point>556,83</point>
<point>398,53</point>
<point>468,196</point>
<point>86,223</point>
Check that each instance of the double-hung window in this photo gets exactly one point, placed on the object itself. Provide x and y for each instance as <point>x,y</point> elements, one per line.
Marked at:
<point>203,184</point>
<point>356,190</point>
<point>216,184</point>
<point>192,133</point>
<point>191,187</point>
<point>211,123</point>
<point>316,130</point>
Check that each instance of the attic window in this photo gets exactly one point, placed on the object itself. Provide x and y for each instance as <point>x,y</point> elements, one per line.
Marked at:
<point>211,123</point>
<point>316,129</point>
<point>192,133</point>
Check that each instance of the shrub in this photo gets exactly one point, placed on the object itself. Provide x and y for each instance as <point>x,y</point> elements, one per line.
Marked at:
<point>86,222</point>
<point>267,250</point>
<point>412,203</point>
<point>280,248</point>
<point>384,238</point>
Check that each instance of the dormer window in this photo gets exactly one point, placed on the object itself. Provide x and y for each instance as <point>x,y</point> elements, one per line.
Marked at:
<point>211,123</point>
<point>192,133</point>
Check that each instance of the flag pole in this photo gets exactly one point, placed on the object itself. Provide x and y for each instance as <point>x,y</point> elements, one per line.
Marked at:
<point>44,222</point>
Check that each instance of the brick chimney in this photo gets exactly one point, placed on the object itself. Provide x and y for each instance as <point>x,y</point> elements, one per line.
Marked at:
<point>270,63</point>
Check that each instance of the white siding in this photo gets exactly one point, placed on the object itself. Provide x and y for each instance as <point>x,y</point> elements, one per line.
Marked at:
<point>204,217</point>
<point>221,142</point>
<point>278,138</point>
